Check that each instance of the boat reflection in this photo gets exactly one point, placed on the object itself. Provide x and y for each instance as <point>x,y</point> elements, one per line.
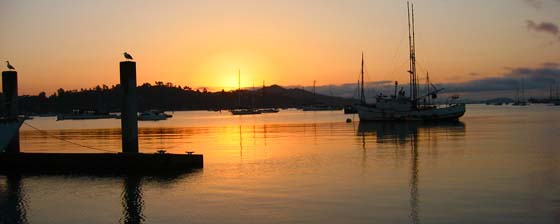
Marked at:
<point>410,133</point>
<point>14,202</point>
<point>403,132</point>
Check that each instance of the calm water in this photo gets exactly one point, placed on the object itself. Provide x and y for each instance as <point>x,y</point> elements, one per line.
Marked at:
<point>500,164</point>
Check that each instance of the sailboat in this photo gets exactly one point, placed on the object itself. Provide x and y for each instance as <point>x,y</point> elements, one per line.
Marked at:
<point>319,107</point>
<point>415,106</point>
<point>263,109</point>
<point>239,110</point>
<point>520,101</point>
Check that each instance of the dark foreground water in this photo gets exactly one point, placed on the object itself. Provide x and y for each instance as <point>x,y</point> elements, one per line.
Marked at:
<point>500,164</point>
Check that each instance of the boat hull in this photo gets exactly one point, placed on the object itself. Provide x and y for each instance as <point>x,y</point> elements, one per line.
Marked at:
<point>371,113</point>
<point>8,129</point>
<point>61,117</point>
<point>244,112</point>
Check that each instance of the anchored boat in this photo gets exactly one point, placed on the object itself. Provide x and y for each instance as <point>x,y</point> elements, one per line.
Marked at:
<point>85,115</point>
<point>240,110</point>
<point>415,106</point>
<point>153,115</point>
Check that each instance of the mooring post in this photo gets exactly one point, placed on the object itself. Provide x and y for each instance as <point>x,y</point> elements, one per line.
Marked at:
<point>129,116</point>
<point>10,92</point>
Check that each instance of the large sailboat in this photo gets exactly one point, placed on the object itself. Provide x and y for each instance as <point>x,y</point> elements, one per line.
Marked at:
<point>415,106</point>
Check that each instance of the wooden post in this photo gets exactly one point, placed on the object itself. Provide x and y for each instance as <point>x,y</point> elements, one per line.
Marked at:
<point>10,92</point>
<point>129,116</point>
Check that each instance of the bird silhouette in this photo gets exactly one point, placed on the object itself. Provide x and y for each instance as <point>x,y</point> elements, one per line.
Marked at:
<point>128,56</point>
<point>10,66</point>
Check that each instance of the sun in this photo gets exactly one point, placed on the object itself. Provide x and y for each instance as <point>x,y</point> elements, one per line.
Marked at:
<point>223,70</point>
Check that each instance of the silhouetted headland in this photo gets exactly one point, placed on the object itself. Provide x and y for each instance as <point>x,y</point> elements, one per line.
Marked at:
<point>171,97</point>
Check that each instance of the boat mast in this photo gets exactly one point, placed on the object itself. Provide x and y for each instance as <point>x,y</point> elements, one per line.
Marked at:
<point>428,87</point>
<point>314,89</point>
<point>412,48</point>
<point>239,88</point>
<point>362,96</point>
<point>522,91</point>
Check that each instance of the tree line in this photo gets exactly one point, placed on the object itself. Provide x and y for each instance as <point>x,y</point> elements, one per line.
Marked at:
<point>170,97</point>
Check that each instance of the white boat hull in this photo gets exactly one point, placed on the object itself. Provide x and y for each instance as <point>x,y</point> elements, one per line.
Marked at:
<point>152,117</point>
<point>372,113</point>
<point>245,112</point>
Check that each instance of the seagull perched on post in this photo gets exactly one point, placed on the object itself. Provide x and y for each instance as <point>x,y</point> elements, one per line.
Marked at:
<point>127,56</point>
<point>10,66</point>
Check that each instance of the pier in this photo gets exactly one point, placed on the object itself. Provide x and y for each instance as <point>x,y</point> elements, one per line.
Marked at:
<point>128,161</point>
<point>91,163</point>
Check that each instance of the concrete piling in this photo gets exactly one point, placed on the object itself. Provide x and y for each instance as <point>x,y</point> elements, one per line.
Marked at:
<point>129,116</point>
<point>10,92</point>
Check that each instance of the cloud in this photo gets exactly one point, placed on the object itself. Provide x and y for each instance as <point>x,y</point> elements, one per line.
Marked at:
<point>537,4</point>
<point>530,78</point>
<point>550,64</point>
<point>546,27</point>
<point>538,79</point>
<point>474,74</point>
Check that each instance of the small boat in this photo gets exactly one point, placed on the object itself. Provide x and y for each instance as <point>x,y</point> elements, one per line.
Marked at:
<point>245,111</point>
<point>84,115</point>
<point>153,115</point>
<point>268,110</point>
<point>8,129</point>
<point>350,109</point>
<point>320,108</point>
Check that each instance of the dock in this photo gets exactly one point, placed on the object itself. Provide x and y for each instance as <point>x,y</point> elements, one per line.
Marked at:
<point>102,163</point>
<point>128,161</point>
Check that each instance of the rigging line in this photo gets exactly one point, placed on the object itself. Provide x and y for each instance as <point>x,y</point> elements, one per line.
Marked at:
<point>396,57</point>
<point>67,141</point>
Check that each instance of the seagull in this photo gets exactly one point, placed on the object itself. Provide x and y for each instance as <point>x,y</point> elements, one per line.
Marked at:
<point>10,66</point>
<point>127,56</point>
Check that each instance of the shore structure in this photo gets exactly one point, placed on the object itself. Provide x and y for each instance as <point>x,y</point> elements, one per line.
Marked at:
<point>130,160</point>
<point>9,119</point>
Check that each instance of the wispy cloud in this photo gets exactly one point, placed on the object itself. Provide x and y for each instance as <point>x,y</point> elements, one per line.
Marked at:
<point>538,4</point>
<point>531,78</point>
<point>474,74</point>
<point>544,27</point>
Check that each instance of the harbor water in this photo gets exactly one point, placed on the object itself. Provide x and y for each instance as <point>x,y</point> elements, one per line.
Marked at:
<point>498,164</point>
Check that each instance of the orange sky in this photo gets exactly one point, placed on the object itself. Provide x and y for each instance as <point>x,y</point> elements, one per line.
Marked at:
<point>78,44</point>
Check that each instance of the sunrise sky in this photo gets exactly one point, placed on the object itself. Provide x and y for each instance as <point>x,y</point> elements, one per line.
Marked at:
<point>77,44</point>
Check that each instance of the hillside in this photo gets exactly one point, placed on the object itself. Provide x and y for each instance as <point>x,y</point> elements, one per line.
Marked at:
<point>171,97</point>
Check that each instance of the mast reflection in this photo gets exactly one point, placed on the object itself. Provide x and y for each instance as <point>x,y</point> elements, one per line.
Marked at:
<point>402,134</point>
